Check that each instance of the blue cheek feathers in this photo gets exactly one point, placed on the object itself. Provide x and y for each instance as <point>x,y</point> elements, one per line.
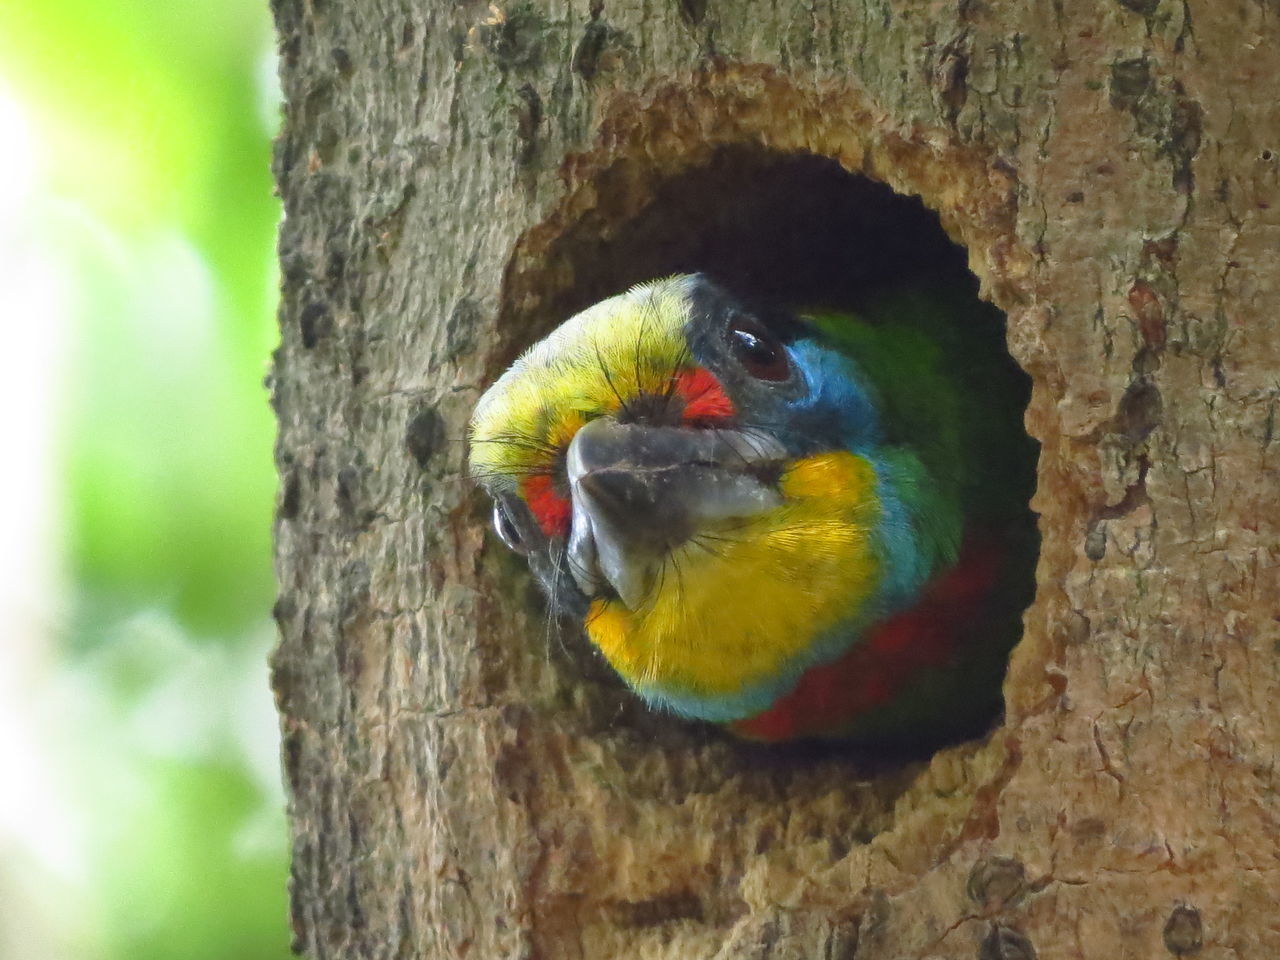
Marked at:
<point>838,412</point>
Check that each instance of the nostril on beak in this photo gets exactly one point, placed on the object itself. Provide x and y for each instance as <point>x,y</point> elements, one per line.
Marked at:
<point>601,444</point>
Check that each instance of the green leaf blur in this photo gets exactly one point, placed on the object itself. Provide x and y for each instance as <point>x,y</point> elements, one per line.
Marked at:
<point>154,203</point>
<point>157,139</point>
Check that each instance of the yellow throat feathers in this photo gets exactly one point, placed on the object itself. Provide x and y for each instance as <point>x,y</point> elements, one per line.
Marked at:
<point>733,609</point>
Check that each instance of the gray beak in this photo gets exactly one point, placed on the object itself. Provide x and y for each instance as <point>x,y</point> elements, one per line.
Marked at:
<point>639,492</point>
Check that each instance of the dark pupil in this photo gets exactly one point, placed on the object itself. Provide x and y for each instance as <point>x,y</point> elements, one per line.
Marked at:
<point>754,349</point>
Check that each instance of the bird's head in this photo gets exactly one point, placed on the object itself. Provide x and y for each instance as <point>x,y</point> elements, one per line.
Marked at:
<point>698,482</point>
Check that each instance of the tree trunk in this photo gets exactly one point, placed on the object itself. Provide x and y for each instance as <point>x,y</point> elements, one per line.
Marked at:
<point>466,781</point>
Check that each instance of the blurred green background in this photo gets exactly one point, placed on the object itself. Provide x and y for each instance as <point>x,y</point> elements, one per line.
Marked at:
<point>141,814</point>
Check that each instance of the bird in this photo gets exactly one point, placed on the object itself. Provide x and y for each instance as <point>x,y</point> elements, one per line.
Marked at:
<point>792,523</point>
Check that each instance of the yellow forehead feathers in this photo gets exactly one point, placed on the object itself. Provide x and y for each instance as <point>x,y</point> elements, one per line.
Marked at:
<point>629,344</point>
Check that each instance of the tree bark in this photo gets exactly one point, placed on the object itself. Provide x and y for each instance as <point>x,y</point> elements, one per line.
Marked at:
<point>466,782</point>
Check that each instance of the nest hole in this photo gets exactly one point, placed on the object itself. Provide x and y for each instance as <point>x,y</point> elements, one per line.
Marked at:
<point>792,229</point>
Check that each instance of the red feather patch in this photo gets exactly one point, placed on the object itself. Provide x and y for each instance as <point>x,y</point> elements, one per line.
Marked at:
<point>704,398</point>
<point>704,401</point>
<point>831,696</point>
<point>552,511</point>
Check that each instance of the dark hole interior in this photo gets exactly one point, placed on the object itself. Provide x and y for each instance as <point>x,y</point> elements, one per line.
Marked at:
<point>794,228</point>
<point>798,230</point>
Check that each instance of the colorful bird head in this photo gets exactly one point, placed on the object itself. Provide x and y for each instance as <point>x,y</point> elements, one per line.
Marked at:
<point>713,490</point>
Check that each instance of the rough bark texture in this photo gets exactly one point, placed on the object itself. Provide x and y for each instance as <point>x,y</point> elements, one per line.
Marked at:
<point>457,177</point>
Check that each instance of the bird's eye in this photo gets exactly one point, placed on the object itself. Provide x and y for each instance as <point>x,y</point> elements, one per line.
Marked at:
<point>507,529</point>
<point>758,350</point>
